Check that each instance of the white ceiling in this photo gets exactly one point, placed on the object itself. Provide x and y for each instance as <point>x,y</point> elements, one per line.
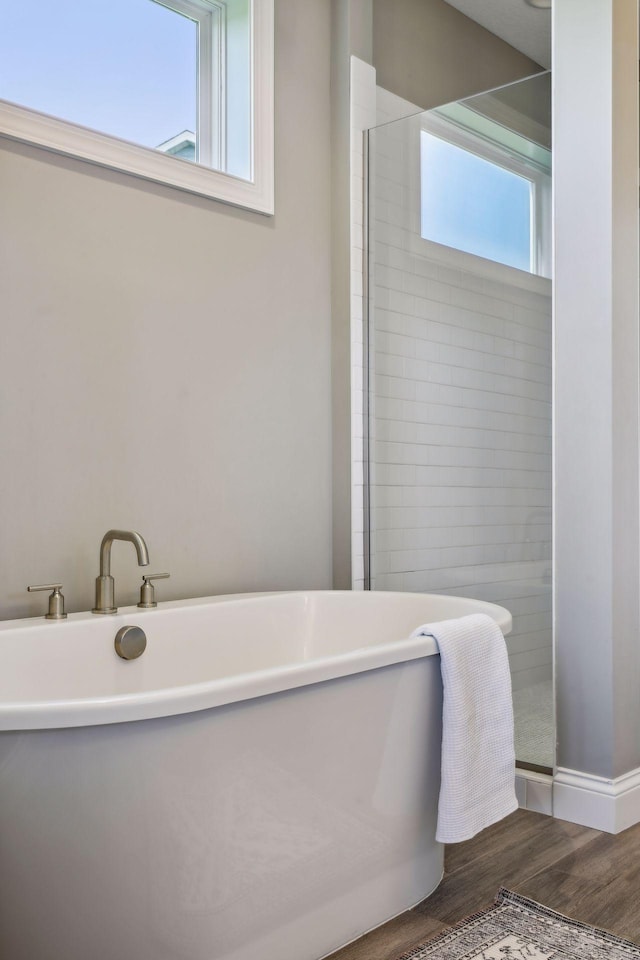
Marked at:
<point>526,28</point>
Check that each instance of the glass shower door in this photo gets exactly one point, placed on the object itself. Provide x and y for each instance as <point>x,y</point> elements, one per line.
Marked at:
<point>459,370</point>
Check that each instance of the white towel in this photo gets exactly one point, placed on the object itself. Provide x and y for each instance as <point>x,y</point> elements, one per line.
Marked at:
<point>478,756</point>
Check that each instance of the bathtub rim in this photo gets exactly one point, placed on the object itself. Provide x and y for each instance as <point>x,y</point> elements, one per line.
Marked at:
<point>190,698</point>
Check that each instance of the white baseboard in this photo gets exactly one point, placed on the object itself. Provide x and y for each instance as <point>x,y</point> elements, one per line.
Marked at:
<point>534,791</point>
<point>609,805</point>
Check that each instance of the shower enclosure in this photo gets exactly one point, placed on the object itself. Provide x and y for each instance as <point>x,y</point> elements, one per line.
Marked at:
<point>458,369</point>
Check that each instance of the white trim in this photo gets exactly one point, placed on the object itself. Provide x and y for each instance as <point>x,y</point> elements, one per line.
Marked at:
<point>262,86</point>
<point>479,144</point>
<point>61,136</point>
<point>209,93</point>
<point>542,238</point>
<point>609,805</point>
<point>510,118</point>
<point>208,16</point>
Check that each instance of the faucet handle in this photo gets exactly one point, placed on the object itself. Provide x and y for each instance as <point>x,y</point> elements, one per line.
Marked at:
<point>147,590</point>
<point>56,600</point>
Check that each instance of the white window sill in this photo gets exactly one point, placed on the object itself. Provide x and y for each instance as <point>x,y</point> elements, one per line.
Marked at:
<point>479,266</point>
<point>60,136</point>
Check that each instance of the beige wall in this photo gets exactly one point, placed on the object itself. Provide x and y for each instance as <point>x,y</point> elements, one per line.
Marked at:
<point>165,364</point>
<point>430,54</point>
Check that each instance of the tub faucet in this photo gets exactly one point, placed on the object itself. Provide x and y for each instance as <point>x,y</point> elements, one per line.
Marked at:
<point>105,586</point>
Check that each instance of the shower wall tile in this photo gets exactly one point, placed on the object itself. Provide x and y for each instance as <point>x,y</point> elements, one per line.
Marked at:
<point>461,387</point>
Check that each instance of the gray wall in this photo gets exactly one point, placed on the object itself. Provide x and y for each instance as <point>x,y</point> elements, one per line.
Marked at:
<point>165,364</point>
<point>430,53</point>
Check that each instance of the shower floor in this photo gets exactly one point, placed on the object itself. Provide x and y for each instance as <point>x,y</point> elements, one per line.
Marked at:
<point>534,726</point>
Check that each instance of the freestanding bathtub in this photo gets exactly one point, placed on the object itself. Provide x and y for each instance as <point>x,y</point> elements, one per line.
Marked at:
<point>261,784</point>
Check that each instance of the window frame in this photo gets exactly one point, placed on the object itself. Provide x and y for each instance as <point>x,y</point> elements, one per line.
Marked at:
<point>62,136</point>
<point>209,16</point>
<point>527,167</point>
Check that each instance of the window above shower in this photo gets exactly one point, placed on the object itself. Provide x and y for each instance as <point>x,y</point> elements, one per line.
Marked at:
<point>485,189</point>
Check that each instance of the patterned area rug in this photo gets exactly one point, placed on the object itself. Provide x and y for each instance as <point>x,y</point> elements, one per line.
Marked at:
<point>515,928</point>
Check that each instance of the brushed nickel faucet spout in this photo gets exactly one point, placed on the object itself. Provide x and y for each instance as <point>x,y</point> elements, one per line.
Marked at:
<point>129,535</point>
<point>105,585</point>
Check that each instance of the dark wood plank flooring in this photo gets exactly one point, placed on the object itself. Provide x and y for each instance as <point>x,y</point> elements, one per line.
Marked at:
<point>588,875</point>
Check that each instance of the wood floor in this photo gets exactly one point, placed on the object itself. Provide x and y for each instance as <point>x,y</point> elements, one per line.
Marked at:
<point>590,876</point>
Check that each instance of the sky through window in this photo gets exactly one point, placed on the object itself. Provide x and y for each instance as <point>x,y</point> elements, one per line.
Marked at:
<point>474,205</point>
<point>127,68</point>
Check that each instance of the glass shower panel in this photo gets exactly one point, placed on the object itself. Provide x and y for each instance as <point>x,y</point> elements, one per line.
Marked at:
<point>459,369</point>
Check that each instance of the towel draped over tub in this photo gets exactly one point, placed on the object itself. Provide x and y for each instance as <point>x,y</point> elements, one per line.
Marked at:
<point>478,756</point>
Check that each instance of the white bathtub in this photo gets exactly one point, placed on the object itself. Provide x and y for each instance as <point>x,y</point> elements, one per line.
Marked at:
<point>260,785</point>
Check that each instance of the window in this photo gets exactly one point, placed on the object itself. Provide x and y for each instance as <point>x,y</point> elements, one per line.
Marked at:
<point>179,91</point>
<point>484,200</point>
<point>474,205</point>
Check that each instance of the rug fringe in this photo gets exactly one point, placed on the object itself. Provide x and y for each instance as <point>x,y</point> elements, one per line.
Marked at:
<point>510,898</point>
<point>516,899</point>
<point>450,930</point>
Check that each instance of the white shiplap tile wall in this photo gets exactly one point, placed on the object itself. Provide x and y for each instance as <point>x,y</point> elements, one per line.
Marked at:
<point>461,425</point>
